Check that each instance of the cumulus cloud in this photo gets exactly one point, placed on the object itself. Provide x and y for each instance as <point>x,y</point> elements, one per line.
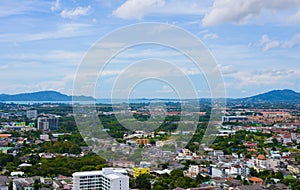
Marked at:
<point>136,9</point>
<point>267,43</point>
<point>238,11</point>
<point>77,12</point>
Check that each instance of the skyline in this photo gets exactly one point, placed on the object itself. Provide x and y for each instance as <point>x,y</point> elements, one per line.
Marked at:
<point>97,98</point>
<point>255,43</point>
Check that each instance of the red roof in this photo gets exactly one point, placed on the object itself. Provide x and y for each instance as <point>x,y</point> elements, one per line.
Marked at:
<point>255,179</point>
<point>261,157</point>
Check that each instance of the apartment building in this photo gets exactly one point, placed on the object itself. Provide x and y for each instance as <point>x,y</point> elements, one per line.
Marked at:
<point>107,179</point>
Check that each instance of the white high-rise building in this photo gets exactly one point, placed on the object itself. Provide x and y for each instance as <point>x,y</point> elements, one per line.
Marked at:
<point>43,123</point>
<point>31,114</point>
<point>48,122</point>
<point>107,179</point>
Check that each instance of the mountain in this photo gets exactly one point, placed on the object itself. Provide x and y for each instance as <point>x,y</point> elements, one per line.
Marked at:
<point>42,96</point>
<point>285,95</point>
<point>271,96</point>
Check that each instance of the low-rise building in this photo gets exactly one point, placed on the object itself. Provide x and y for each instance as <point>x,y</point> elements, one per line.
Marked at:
<point>293,169</point>
<point>123,164</point>
<point>140,171</point>
<point>193,170</point>
<point>256,180</point>
<point>142,141</point>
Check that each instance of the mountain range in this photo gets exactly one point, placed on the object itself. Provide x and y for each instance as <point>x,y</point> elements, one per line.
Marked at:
<point>285,95</point>
<point>42,96</point>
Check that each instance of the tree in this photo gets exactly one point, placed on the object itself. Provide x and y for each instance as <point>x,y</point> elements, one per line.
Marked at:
<point>37,184</point>
<point>142,182</point>
<point>158,187</point>
<point>183,182</point>
<point>253,172</point>
<point>176,173</point>
<point>200,179</point>
<point>245,182</point>
<point>152,142</point>
<point>165,165</point>
<point>238,177</point>
<point>278,175</point>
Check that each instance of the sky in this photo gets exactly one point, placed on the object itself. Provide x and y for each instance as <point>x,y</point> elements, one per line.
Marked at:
<point>256,44</point>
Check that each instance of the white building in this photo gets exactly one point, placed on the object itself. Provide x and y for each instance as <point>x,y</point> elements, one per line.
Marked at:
<point>218,153</point>
<point>107,179</point>
<point>31,114</point>
<point>261,161</point>
<point>237,118</point>
<point>42,123</point>
<point>239,170</point>
<point>193,170</point>
<point>273,163</point>
<point>287,139</point>
<point>49,122</point>
<point>44,137</point>
<point>215,172</point>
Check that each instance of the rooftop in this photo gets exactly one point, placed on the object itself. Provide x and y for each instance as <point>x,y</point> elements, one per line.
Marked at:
<point>255,179</point>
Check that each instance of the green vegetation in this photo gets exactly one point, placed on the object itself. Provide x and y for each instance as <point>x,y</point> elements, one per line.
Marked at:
<point>141,182</point>
<point>177,179</point>
<point>61,147</point>
<point>65,166</point>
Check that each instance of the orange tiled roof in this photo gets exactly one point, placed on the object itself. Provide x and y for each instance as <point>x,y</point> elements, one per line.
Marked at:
<point>5,135</point>
<point>261,157</point>
<point>255,179</point>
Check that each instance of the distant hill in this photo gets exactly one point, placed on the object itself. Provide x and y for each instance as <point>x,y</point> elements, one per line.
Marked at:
<point>41,96</point>
<point>271,96</point>
<point>274,96</point>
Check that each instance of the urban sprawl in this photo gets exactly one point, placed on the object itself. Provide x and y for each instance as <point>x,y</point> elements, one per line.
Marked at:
<point>256,147</point>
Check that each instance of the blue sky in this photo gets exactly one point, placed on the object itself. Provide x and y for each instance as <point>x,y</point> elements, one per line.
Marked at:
<point>256,43</point>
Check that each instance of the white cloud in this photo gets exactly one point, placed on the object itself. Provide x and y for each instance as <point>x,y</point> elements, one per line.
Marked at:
<point>267,43</point>
<point>270,77</point>
<point>77,12</point>
<point>57,56</point>
<point>67,30</point>
<point>166,89</point>
<point>136,9</point>
<point>55,6</point>
<point>17,7</point>
<point>292,42</point>
<point>239,11</point>
<point>210,36</point>
<point>295,18</point>
<point>3,67</point>
<point>59,85</point>
<point>274,73</point>
<point>227,69</point>
<point>64,31</point>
